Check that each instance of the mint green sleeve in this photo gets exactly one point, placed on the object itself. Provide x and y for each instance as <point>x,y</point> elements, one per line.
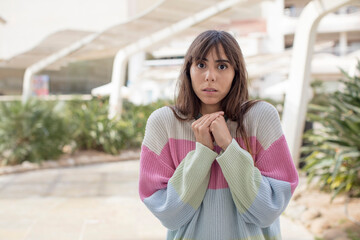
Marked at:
<point>191,177</point>
<point>242,176</point>
<point>176,204</point>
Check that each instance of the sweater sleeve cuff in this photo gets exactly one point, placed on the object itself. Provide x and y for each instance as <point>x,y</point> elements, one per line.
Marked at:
<point>206,153</point>
<point>233,152</point>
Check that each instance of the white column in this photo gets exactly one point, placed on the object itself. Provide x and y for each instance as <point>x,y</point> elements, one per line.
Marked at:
<point>297,97</point>
<point>136,65</point>
<point>273,11</point>
<point>2,37</point>
<point>117,81</point>
<point>343,43</point>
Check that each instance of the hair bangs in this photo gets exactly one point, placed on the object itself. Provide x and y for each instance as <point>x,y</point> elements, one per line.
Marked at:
<point>201,49</point>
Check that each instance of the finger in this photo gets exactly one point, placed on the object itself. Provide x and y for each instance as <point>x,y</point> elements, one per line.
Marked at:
<point>220,120</point>
<point>221,113</point>
<point>215,115</point>
<point>195,125</point>
<point>202,121</point>
<point>207,122</point>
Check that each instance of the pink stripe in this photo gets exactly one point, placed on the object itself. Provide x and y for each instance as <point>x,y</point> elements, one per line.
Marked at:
<point>153,167</point>
<point>154,175</point>
<point>255,146</point>
<point>276,162</point>
<point>156,170</point>
<point>176,150</point>
<point>180,148</point>
<point>217,179</point>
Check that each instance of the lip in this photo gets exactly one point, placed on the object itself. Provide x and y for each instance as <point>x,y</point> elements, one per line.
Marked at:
<point>209,90</point>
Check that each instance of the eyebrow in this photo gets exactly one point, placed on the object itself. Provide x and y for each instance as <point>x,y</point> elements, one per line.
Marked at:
<point>219,60</point>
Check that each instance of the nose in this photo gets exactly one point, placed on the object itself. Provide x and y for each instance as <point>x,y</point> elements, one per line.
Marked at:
<point>210,75</point>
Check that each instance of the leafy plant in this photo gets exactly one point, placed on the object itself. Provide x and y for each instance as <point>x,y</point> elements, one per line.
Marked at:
<point>137,115</point>
<point>91,128</point>
<point>334,153</point>
<point>39,130</point>
<point>31,132</point>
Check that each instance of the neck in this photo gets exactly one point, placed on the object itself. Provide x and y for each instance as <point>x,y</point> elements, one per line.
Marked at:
<point>207,109</point>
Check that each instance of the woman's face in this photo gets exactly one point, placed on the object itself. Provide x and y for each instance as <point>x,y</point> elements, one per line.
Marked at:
<point>211,79</point>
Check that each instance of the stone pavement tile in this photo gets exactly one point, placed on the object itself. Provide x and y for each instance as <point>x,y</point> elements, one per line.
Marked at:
<point>74,190</point>
<point>24,190</point>
<point>14,229</point>
<point>5,179</point>
<point>19,216</point>
<point>54,229</point>
<point>30,208</point>
<point>123,218</point>
<point>80,177</point>
<point>293,231</point>
<point>44,177</point>
<point>25,185</point>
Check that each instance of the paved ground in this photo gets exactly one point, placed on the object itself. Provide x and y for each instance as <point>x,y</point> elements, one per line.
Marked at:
<point>94,202</point>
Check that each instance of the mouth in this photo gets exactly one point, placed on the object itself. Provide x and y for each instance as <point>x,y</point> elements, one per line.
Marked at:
<point>209,90</point>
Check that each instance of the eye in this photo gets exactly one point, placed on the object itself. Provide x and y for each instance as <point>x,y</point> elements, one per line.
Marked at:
<point>201,65</point>
<point>222,67</point>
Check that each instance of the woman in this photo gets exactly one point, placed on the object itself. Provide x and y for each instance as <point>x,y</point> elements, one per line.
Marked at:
<point>216,165</point>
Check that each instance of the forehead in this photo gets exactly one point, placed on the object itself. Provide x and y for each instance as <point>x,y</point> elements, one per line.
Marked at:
<point>216,52</point>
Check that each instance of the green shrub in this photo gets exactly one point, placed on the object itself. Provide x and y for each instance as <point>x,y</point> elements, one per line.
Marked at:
<point>334,149</point>
<point>137,116</point>
<point>39,130</point>
<point>91,128</point>
<point>31,132</point>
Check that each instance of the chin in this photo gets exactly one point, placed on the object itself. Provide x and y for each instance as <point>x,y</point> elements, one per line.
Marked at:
<point>210,102</point>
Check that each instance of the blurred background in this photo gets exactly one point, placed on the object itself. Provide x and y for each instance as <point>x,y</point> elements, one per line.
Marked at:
<point>78,80</point>
<point>32,30</point>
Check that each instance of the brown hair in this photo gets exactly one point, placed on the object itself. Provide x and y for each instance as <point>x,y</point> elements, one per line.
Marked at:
<point>236,103</point>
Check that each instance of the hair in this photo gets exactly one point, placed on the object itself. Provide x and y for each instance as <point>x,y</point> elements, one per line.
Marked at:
<point>236,103</point>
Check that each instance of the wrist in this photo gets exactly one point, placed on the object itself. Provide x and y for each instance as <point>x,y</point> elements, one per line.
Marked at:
<point>224,147</point>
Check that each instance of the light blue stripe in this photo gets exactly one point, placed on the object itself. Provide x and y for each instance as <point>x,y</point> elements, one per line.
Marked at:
<point>166,205</point>
<point>271,200</point>
<point>217,217</point>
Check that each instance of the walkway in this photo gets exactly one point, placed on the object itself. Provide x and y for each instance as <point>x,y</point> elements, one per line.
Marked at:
<point>93,202</point>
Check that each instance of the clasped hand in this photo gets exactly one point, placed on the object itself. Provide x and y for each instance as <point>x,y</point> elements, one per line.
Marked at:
<point>212,127</point>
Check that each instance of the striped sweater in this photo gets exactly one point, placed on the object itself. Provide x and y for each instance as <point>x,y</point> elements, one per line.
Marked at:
<point>201,194</point>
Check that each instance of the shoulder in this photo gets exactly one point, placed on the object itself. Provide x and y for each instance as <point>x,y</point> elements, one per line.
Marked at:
<point>263,111</point>
<point>263,114</point>
<point>160,121</point>
<point>263,122</point>
<point>161,116</point>
<point>158,129</point>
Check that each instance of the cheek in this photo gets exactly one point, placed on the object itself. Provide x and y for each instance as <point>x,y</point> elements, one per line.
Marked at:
<point>194,79</point>
<point>229,81</point>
